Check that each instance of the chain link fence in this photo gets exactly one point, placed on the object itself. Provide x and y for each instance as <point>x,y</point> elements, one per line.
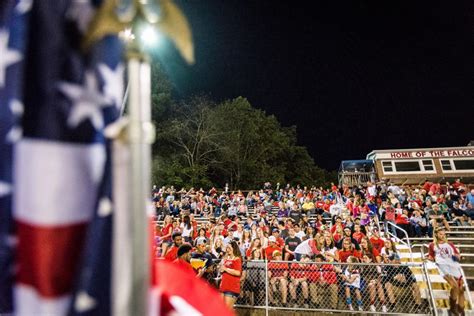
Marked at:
<point>339,287</point>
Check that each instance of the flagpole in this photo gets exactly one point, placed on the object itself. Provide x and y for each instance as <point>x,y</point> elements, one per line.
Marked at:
<point>140,135</point>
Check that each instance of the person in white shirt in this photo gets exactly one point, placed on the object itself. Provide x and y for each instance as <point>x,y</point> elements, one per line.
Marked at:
<point>299,233</point>
<point>447,257</point>
<point>306,248</point>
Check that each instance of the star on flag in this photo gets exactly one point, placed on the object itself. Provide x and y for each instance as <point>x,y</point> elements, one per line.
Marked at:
<point>87,102</point>
<point>15,133</point>
<point>113,79</point>
<point>8,56</point>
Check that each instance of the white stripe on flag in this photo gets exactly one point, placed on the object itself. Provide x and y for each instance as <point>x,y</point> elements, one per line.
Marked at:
<point>56,183</point>
<point>28,302</point>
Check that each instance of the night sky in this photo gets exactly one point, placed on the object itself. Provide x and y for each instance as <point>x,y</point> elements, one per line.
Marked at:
<point>353,76</point>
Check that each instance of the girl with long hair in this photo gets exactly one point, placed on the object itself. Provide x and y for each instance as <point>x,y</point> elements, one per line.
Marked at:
<point>167,231</point>
<point>231,269</point>
<point>366,248</point>
<point>186,229</point>
<point>447,257</point>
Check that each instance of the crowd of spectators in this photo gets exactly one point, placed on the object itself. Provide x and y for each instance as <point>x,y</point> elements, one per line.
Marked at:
<point>317,225</point>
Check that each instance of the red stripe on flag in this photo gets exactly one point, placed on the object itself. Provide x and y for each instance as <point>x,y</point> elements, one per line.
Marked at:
<point>48,257</point>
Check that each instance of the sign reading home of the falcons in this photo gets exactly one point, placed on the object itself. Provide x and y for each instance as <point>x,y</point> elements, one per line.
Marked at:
<point>414,154</point>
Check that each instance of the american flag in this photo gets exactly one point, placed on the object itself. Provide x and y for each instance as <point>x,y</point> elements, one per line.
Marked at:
<point>57,186</point>
<point>55,102</point>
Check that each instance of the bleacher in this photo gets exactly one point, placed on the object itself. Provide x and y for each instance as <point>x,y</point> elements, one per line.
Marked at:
<point>415,251</point>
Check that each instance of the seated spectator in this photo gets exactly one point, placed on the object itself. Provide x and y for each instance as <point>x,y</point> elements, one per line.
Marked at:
<point>278,275</point>
<point>272,247</point>
<point>328,249</point>
<point>338,234</point>
<point>348,250</point>
<point>348,234</point>
<point>298,232</point>
<point>307,248</point>
<point>395,274</point>
<point>357,234</point>
<point>279,240</point>
<point>166,234</point>
<point>299,276</point>
<point>322,280</point>
<point>436,219</point>
<point>172,252</point>
<point>256,244</point>
<point>218,248</point>
<point>371,274</point>
<point>366,248</point>
<point>254,286</point>
<point>245,242</point>
<point>403,221</point>
<point>291,242</point>
<point>457,214</point>
<point>351,278</point>
<point>419,223</point>
<point>375,239</point>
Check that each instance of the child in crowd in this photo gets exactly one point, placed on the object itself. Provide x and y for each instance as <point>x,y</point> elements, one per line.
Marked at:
<point>351,278</point>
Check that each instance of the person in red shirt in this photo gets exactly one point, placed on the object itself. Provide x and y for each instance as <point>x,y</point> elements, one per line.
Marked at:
<point>231,269</point>
<point>255,244</point>
<point>272,247</point>
<point>299,275</point>
<point>172,252</point>
<point>367,248</point>
<point>357,234</point>
<point>322,283</point>
<point>377,242</point>
<point>348,249</point>
<point>337,224</point>
<point>166,234</point>
<point>184,259</point>
<point>403,221</point>
<point>279,241</point>
<point>278,275</point>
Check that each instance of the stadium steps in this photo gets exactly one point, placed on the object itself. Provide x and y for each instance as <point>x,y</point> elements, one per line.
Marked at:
<point>463,238</point>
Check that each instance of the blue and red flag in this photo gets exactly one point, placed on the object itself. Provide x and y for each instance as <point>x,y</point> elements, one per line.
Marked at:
<point>56,176</point>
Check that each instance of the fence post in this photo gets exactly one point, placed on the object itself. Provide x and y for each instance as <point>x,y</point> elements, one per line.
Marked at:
<point>266,287</point>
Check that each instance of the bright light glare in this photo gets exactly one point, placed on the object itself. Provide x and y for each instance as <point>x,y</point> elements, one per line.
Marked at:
<point>127,35</point>
<point>149,36</point>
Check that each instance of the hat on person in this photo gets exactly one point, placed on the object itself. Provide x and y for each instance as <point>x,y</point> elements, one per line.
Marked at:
<point>201,241</point>
<point>275,230</point>
<point>272,239</point>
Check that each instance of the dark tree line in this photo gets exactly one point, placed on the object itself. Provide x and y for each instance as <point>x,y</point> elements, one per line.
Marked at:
<point>202,143</point>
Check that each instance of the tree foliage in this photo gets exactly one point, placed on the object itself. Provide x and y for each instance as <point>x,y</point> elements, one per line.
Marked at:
<point>201,143</point>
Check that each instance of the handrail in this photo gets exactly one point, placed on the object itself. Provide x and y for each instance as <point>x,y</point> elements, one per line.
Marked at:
<point>467,288</point>
<point>407,243</point>
<point>462,273</point>
<point>428,282</point>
